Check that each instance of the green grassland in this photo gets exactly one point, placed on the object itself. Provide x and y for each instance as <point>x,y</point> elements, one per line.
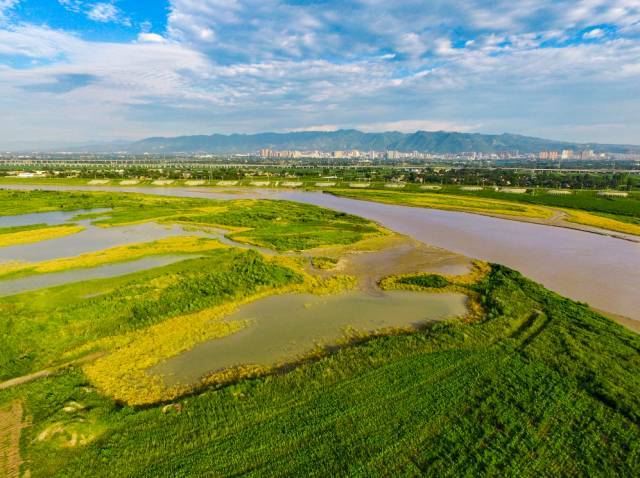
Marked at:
<point>625,210</point>
<point>30,227</point>
<point>620,208</point>
<point>537,385</point>
<point>541,386</point>
<point>39,327</point>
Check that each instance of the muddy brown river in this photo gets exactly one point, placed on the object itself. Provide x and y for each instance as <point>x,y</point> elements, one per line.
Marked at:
<point>601,270</point>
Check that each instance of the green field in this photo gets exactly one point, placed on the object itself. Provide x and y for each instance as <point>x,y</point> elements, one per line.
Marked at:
<point>541,386</point>
<point>530,384</point>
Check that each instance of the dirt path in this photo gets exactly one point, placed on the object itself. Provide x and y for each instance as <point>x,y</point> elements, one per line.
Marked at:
<point>11,425</point>
<point>14,382</point>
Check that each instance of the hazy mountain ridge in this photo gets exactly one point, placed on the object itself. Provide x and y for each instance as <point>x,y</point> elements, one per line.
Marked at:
<point>433,142</point>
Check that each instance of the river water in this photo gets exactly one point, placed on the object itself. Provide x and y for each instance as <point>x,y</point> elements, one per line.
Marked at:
<point>601,270</point>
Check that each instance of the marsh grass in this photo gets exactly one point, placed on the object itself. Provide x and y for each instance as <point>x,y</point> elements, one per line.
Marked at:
<point>30,236</point>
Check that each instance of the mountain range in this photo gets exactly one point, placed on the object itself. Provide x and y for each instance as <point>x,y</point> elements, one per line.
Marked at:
<point>425,141</point>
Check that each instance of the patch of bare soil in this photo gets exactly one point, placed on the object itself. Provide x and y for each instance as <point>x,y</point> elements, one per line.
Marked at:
<point>11,425</point>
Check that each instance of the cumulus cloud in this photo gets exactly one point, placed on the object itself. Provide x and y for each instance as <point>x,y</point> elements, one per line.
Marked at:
<point>103,12</point>
<point>594,34</point>
<point>251,65</point>
<point>151,38</point>
<point>5,8</point>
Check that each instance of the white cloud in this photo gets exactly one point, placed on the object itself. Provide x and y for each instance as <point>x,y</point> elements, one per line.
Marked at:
<point>151,38</point>
<point>103,12</point>
<point>594,34</point>
<point>252,65</point>
<point>5,7</point>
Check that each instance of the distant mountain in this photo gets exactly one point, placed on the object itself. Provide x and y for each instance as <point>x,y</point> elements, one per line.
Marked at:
<point>425,141</point>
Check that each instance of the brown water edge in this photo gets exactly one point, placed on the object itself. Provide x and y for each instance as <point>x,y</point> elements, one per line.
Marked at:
<point>402,255</point>
<point>284,328</point>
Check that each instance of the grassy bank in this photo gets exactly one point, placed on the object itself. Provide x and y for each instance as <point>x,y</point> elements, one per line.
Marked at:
<point>43,328</point>
<point>586,207</point>
<point>619,215</point>
<point>541,385</point>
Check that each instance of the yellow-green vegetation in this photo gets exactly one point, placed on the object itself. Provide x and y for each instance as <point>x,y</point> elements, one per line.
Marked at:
<point>450,202</point>
<point>324,262</point>
<point>37,235</point>
<point>123,373</point>
<point>170,245</point>
<point>44,328</point>
<point>285,225</point>
<point>435,283</point>
<point>535,385</point>
<point>602,222</point>
<point>280,225</point>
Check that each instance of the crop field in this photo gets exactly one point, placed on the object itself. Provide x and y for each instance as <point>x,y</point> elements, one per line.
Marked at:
<point>527,384</point>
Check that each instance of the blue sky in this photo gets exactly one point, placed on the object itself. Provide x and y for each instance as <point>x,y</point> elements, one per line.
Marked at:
<point>73,71</point>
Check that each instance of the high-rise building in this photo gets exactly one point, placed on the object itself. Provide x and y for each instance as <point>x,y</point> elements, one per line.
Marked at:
<point>550,155</point>
<point>567,154</point>
<point>587,154</point>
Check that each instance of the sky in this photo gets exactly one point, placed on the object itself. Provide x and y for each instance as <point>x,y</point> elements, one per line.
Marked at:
<point>81,71</point>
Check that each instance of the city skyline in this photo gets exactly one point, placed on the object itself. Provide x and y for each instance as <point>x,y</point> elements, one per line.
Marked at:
<point>73,71</point>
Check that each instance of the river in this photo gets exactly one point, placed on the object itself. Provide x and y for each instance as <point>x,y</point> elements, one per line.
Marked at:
<point>601,270</point>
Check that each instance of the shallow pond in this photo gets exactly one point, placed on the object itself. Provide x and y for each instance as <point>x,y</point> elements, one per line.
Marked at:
<point>53,218</point>
<point>41,281</point>
<point>89,240</point>
<point>283,328</point>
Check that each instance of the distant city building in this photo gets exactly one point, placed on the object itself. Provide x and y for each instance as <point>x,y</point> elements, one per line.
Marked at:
<point>567,154</point>
<point>548,155</point>
<point>587,154</point>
